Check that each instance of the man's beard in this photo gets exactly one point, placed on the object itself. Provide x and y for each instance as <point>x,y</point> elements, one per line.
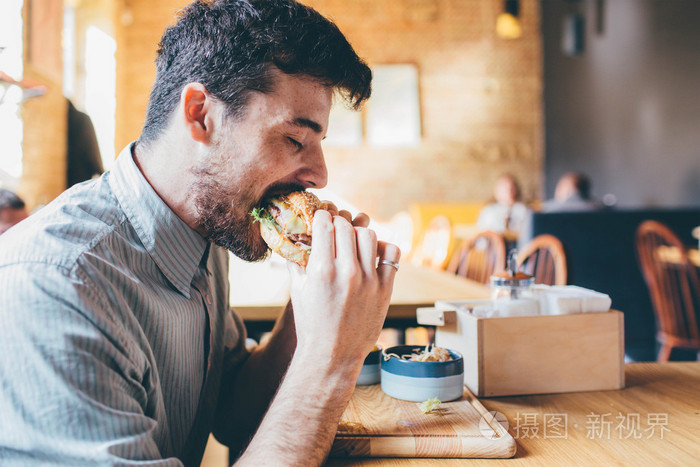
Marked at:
<point>224,215</point>
<point>223,209</point>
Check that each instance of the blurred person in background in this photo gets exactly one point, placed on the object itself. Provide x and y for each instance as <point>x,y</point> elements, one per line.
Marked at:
<point>83,153</point>
<point>572,193</point>
<point>12,210</point>
<point>506,213</point>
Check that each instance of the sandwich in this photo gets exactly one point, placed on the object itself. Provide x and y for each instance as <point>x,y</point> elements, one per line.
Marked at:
<point>285,224</point>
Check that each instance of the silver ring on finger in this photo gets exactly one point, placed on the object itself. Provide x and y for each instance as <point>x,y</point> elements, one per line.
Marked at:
<point>388,263</point>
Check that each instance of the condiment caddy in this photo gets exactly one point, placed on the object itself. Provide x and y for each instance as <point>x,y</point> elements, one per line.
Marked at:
<point>532,339</point>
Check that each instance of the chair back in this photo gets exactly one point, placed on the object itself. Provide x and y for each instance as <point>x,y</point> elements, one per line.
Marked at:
<point>673,286</point>
<point>544,259</point>
<point>434,248</point>
<point>477,258</point>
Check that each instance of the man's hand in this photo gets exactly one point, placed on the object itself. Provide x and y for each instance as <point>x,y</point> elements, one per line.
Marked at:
<point>341,299</point>
<point>361,220</point>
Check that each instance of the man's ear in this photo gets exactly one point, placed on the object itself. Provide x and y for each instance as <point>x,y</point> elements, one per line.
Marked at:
<point>198,111</point>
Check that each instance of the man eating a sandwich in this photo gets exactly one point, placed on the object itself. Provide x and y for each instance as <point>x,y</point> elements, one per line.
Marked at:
<point>118,346</point>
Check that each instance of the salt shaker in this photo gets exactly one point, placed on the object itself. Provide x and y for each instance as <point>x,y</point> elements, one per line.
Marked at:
<point>511,291</point>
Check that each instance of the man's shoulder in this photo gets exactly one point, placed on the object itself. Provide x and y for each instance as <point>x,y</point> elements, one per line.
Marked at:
<point>57,234</point>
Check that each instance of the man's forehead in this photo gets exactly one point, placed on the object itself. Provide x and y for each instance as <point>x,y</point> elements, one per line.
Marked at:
<point>293,102</point>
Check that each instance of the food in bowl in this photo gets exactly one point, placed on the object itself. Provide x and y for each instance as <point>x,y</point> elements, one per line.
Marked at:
<point>415,373</point>
<point>432,354</point>
<point>429,354</point>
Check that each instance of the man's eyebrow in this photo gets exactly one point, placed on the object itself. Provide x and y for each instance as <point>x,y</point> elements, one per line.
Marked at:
<point>305,122</point>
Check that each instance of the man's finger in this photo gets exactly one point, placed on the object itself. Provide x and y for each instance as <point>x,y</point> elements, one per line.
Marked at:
<point>388,261</point>
<point>361,220</point>
<point>345,241</point>
<point>331,207</point>
<point>345,215</point>
<point>367,250</point>
<point>323,242</point>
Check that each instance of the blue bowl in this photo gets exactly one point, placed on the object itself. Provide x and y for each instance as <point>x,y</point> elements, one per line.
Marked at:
<point>370,369</point>
<point>418,381</point>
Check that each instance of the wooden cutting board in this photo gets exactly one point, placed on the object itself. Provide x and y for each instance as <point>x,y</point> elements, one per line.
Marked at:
<point>377,425</point>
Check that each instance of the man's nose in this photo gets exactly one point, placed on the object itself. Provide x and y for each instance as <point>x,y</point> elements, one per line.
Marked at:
<point>315,172</point>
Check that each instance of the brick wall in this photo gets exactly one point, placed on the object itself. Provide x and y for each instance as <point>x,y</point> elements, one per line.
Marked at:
<point>139,25</point>
<point>45,118</point>
<point>480,96</point>
<point>44,144</point>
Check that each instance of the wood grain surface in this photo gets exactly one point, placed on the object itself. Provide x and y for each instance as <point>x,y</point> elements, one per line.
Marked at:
<point>377,425</point>
<point>654,420</point>
<point>549,354</point>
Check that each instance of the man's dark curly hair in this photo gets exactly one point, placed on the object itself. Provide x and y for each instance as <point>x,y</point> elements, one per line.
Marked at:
<point>231,47</point>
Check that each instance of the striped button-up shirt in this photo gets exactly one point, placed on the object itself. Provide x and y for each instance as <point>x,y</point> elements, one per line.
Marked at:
<point>115,330</point>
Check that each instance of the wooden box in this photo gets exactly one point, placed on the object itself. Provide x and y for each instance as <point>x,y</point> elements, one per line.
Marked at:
<point>540,354</point>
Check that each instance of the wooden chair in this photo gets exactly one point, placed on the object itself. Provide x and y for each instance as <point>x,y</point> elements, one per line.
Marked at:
<point>479,257</point>
<point>544,259</point>
<point>673,286</point>
<point>434,248</point>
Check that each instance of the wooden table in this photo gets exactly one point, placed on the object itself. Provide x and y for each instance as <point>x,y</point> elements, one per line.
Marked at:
<point>413,287</point>
<point>655,420</point>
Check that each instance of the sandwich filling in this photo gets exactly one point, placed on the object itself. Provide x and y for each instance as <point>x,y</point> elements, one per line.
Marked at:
<point>291,225</point>
<point>279,215</point>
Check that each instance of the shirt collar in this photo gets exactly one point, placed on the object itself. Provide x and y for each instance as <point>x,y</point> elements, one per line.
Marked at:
<point>175,247</point>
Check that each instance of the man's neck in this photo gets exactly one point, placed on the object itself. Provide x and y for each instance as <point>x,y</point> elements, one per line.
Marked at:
<point>164,167</point>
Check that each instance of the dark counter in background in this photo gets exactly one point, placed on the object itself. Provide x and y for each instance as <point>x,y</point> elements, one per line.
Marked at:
<point>601,255</point>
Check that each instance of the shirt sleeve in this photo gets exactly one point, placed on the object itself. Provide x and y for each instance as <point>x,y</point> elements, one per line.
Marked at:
<point>72,387</point>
